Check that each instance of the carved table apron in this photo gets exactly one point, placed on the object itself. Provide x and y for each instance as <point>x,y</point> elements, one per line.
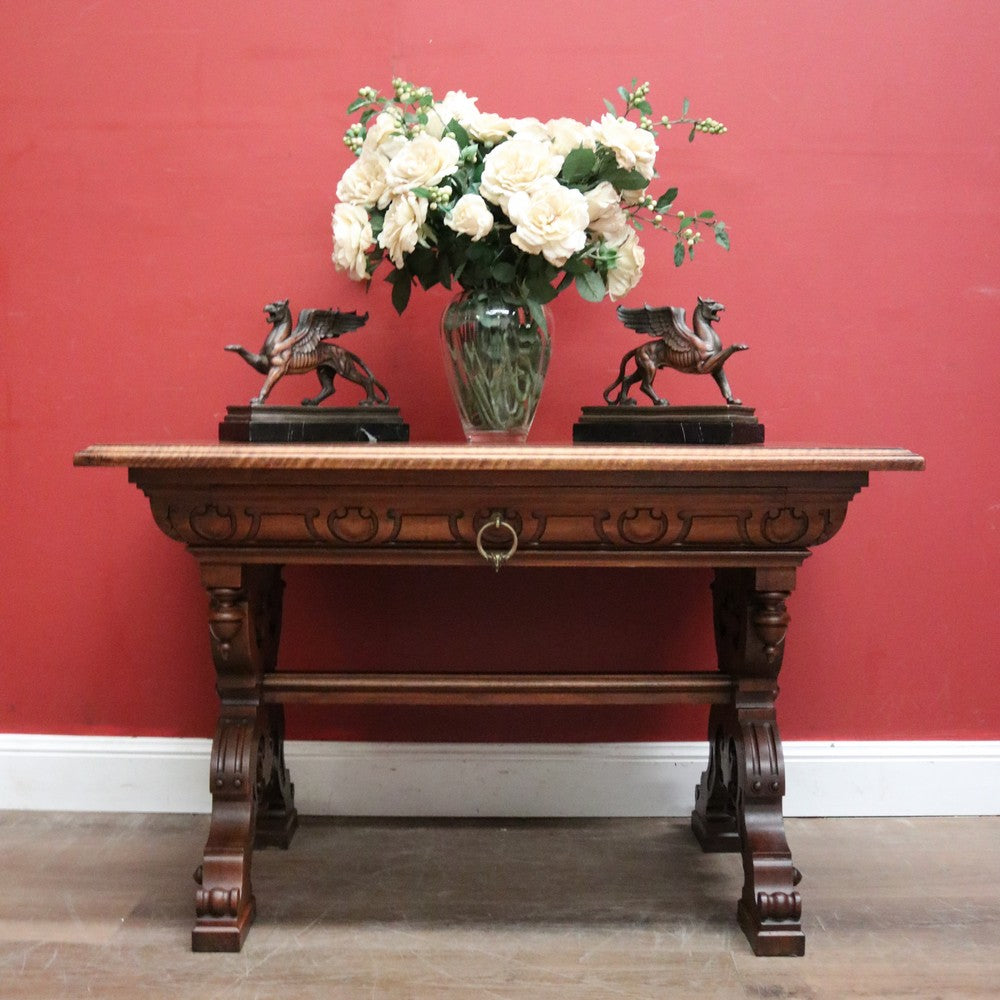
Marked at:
<point>751,514</point>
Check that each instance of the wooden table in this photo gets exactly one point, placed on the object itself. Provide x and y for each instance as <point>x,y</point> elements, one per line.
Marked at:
<point>752,514</point>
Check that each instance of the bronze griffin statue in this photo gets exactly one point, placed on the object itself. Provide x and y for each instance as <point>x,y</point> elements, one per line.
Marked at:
<point>696,352</point>
<point>306,348</point>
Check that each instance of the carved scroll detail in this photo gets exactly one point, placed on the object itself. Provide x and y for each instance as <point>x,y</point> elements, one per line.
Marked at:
<point>714,819</point>
<point>211,523</point>
<point>232,774</point>
<point>649,521</point>
<point>217,902</point>
<point>353,525</point>
<point>785,526</point>
<point>779,905</point>
<point>642,525</point>
<point>764,772</point>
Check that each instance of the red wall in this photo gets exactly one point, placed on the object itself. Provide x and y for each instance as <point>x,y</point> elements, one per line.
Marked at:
<point>169,168</point>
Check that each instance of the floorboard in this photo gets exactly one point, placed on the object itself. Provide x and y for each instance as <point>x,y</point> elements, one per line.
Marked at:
<point>102,905</point>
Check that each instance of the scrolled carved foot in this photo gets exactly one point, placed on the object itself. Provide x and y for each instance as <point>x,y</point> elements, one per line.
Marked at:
<point>773,924</point>
<point>224,918</point>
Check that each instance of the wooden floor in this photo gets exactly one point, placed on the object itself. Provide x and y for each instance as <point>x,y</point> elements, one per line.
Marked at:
<point>102,905</point>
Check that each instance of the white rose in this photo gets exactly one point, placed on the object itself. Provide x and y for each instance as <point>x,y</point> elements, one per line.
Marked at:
<point>352,239</point>
<point>550,220</point>
<point>567,134</point>
<point>471,216</point>
<point>422,162</point>
<point>530,128</point>
<point>401,229</point>
<point>363,182</point>
<point>383,137</point>
<point>607,217</point>
<point>489,128</point>
<point>634,147</point>
<point>514,166</point>
<point>457,105</point>
<point>625,275</point>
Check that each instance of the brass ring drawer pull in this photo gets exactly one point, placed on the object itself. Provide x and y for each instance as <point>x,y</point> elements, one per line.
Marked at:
<point>496,557</point>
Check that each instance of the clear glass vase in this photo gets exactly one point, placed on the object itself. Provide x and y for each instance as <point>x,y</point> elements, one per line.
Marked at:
<point>496,356</point>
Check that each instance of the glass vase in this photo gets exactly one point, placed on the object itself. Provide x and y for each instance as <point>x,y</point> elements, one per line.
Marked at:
<point>496,355</point>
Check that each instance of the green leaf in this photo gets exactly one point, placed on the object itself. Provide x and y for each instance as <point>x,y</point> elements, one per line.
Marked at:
<point>421,263</point>
<point>644,107</point>
<point>691,251</point>
<point>623,94</point>
<point>538,275</point>
<point>503,272</point>
<point>444,271</point>
<point>706,215</point>
<point>685,106</point>
<point>678,254</point>
<point>666,200</point>
<point>722,235</point>
<point>461,136</point>
<point>401,287</point>
<point>691,135</point>
<point>627,180</point>
<point>578,165</point>
<point>538,314</point>
<point>610,106</point>
<point>540,288</point>
<point>591,286</point>
<point>357,104</point>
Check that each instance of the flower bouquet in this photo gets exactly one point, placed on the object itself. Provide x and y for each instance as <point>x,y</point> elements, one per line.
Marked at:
<point>513,211</point>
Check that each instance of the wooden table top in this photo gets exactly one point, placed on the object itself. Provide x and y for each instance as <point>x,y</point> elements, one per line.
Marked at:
<point>535,458</point>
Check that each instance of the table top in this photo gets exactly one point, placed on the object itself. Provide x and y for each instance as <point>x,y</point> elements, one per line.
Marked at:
<point>535,458</point>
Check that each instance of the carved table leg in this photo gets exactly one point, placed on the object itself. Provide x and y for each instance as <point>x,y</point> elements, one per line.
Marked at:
<point>741,790</point>
<point>277,819</point>
<point>714,818</point>
<point>251,793</point>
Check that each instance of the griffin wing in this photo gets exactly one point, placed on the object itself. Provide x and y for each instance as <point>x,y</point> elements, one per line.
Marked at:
<point>315,325</point>
<point>666,322</point>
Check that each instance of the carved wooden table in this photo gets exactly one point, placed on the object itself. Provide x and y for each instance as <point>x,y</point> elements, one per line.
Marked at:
<point>752,514</point>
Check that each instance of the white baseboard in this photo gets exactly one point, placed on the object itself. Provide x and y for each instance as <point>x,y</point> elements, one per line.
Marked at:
<point>144,774</point>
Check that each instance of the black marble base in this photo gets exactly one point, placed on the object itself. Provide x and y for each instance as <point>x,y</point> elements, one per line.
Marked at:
<point>303,424</point>
<point>668,425</point>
